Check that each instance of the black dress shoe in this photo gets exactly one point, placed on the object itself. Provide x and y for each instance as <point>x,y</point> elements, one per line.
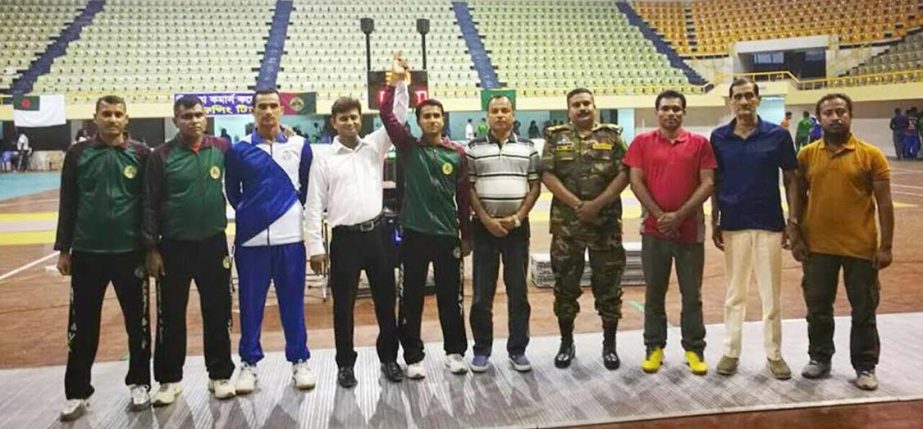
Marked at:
<point>611,358</point>
<point>346,378</point>
<point>392,371</point>
<point>565,354</point>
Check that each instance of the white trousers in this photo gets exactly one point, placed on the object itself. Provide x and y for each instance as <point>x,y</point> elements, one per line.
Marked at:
<point>746,253</point>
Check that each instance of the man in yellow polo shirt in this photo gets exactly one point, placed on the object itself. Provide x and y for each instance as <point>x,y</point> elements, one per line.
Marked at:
<point>841,181</point>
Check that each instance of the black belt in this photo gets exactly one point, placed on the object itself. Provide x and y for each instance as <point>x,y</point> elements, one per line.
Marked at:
<point>366,226</point>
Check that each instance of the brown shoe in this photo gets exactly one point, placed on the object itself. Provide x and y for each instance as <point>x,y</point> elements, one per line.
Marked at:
<point>727,366</point>
<point>779,369</point>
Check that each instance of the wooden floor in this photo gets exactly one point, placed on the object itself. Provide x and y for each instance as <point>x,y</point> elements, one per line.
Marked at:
<point>585,393</point>
<point>33,298</point>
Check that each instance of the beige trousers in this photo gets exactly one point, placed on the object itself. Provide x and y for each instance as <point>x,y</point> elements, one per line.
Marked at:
<point>746,253</point>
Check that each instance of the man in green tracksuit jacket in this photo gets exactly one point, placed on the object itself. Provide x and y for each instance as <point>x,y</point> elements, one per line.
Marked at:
<point>435,217</point>
<point>183,232</point>
<point>803,133</point>
<point>99,237</point>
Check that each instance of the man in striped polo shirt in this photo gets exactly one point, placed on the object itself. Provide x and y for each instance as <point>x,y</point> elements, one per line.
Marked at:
<point>503,169</point>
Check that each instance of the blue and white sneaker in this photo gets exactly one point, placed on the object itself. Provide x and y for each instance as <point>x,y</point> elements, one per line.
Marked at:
<point>520,363</point>
<point>480,363</point>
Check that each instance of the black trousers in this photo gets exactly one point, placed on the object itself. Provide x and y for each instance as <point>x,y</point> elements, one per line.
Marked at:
<point>417,251</point>
<point>90,276</point>
<point>821,274</point>
<point>488,251</point>
<point>350,253</point>
<point>207,262</point>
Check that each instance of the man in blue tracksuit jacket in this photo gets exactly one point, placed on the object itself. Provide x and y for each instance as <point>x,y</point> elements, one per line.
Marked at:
<point>267,181</point>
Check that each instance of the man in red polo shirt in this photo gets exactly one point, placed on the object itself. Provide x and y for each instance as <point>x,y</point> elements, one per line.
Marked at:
<point>672,174</point>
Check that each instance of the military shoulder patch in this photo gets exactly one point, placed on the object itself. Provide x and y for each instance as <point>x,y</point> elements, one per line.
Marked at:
<point>610,127</point>
<point>550,131</point>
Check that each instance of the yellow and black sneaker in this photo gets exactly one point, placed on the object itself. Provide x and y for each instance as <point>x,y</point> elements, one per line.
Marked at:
<point>696,363</point>
<point>653,361</point>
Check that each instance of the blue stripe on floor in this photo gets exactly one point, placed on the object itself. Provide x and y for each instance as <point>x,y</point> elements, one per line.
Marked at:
<point>13,185</point>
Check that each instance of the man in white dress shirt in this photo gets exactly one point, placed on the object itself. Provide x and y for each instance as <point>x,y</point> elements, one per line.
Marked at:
<point>22,146</point>
<point>347,183</point>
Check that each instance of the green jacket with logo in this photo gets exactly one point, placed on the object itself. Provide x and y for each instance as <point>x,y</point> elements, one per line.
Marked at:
<point>436,184</point>
<point>101,192</point>
<point>184,192</point>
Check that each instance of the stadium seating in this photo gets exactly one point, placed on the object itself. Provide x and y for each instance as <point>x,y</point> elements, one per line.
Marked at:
<point>718,23</point>
<point>148,49</point>
<point>28,27</point>
<point>904,56</point>
<point>545,48</point>
<point>669,19</point>
<point>326,48</point>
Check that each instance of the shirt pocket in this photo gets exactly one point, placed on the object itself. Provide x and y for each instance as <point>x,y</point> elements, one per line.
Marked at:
<point>602,162</point>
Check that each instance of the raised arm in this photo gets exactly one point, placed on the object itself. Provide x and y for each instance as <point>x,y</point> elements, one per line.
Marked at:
<point>400,107</point>
<point>400,137</point>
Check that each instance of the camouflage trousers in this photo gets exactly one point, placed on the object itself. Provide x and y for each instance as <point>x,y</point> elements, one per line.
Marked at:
<point>607,262</point>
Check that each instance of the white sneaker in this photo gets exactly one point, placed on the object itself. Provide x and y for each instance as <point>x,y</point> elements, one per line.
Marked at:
<point>140,397</point>
<point>167,394</point>
<point>866,380</point>
<point>304,377</point>
<point>246,379</point>
<point>73,409</point>
<point>415,371</point>
<point>223,389</point>
<point>456,363</point>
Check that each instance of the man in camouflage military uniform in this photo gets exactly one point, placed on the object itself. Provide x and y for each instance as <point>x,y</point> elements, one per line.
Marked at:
<point>582,167</point>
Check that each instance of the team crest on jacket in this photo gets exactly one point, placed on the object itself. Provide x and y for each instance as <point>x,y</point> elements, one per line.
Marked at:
<point>447,169</point>
<point>214,172</point>
<point>130,171</point>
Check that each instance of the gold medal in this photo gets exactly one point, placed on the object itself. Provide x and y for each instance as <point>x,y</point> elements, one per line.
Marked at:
<point>130,171</point>
<point>226,263</point>
<point>447,169</point>
<point>214,172</point>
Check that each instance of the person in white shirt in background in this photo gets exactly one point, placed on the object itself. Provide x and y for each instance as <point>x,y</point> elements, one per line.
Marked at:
<point>24,150</point>
<point>469,131</point>
<point>347,183</point>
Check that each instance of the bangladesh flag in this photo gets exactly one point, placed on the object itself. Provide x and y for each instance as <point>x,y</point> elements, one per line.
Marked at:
<point>29,103</point>
<point>32,111</point>
<point>299,103</point>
